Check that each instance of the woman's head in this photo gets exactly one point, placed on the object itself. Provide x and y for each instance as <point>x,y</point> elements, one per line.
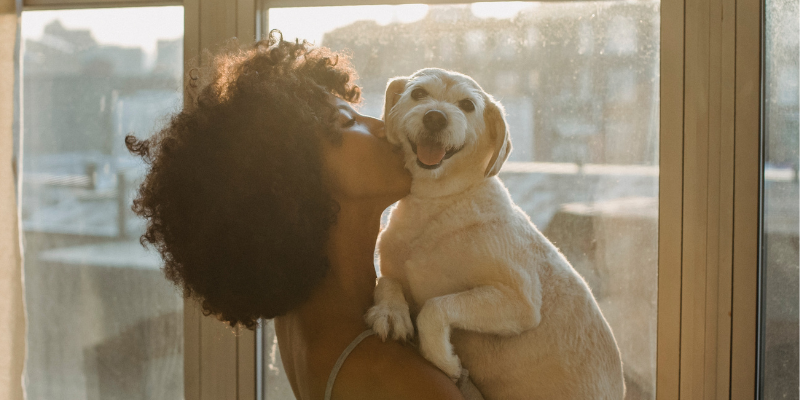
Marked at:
<point>363,166</point>
<point>241,190</point>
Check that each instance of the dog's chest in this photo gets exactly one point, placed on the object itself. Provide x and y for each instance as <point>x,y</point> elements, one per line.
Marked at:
<point>433,275</point>
<point>429,259</point>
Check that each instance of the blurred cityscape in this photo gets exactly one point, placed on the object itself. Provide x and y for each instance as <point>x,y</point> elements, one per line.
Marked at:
<point>580,84</point>
<point>781,200</point>
<point>579,80</point>
<point>80,99</point>
<point>103,323</point>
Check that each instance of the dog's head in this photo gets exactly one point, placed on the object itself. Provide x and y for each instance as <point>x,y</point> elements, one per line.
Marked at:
<point>445,123</point>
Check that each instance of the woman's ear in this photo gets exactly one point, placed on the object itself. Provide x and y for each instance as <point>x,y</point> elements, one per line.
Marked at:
<point>496,127</point>
<point>394,90</point>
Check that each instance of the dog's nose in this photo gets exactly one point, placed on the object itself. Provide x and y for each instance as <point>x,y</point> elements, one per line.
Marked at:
<point>434,120</point>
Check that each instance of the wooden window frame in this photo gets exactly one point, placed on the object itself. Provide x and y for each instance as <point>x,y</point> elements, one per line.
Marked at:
<point>219,361</point>
<point>710,110</point>
<point>708,193</point>
<point>29,5</point>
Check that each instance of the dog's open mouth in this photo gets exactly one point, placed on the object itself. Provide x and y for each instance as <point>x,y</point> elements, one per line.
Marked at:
<point>430,154</point>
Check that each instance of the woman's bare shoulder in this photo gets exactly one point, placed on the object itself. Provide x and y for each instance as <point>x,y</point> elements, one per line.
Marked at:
<point>391,370</point>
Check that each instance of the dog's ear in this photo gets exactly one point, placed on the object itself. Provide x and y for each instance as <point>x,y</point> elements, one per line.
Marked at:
<point>394,89</point>
<point>495,120</point>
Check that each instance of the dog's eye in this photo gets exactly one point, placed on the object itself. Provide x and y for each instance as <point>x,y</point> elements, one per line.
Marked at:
<point>418,93</point>
<point>466,105</point>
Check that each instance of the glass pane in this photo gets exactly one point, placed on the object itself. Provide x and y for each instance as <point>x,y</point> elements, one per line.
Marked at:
<point>781,202</point>
<point>103,322</point>
<point>580,83</point>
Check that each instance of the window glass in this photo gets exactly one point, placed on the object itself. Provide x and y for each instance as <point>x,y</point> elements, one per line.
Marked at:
<point>580,84</point>
<point>103,323</point>
<point>781,203</point>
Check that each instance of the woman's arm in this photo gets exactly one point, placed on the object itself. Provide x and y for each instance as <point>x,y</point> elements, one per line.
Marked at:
<point>391,370</point>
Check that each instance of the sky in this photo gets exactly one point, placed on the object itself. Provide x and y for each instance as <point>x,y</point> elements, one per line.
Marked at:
<point>143,26</point>
<point>312,23</point>
<point>129,27</point>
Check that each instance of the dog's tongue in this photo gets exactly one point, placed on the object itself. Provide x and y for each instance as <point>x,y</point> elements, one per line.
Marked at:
<point>430,152</point>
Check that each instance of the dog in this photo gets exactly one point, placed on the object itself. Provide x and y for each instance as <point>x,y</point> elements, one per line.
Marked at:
<point>487,290</point>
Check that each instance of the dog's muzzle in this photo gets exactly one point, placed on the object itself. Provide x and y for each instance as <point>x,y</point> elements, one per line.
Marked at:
<point>449,153</point>
<point>429,151</point>
<point>434,121</point>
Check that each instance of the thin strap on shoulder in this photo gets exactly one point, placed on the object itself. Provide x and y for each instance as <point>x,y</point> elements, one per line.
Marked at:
<point>340,361</point>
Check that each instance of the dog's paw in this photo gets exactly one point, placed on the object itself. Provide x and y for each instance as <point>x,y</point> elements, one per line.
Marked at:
<point>442,357</point>
<point>390,321</point>
<point>434,342</point>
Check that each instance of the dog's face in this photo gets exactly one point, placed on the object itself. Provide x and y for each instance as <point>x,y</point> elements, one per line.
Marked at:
<point>445,122</point>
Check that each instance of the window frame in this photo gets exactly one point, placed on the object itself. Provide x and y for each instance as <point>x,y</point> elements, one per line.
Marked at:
<point>30,5</point>
<point>219,361</point>
<point>709,194</point>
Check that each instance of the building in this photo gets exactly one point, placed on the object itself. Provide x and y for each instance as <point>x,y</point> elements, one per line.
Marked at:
<point>580,84</point>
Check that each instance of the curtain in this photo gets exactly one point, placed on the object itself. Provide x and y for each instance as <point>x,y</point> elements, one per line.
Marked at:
<point>12,317</point>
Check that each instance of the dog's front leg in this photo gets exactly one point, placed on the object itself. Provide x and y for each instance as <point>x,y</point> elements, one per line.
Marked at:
<point>390,313</point>
<point>487,309</point>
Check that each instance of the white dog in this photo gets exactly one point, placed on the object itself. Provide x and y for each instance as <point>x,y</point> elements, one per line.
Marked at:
<point>463,259</point>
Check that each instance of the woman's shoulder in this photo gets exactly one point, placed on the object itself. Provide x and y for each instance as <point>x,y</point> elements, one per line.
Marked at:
<point>391,370</point>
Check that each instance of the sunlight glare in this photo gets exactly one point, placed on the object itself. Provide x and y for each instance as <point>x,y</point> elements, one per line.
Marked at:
<point>499,10</point>
<point>311,23</point>
<point>127,27</point>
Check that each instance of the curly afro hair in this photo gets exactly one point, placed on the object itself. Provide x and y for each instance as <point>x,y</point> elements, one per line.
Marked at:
<point>235,197</point>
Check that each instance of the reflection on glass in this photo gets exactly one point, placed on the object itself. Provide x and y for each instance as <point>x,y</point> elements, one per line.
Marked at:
<point>781,202</point>
<point>579,81</point>
<point>103,323</point>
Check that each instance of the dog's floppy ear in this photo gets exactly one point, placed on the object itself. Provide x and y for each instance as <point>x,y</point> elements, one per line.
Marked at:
<point>394,89</point>
<point>494,118</point>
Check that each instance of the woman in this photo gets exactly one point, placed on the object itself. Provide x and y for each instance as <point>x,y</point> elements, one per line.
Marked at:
<point>264,200</point>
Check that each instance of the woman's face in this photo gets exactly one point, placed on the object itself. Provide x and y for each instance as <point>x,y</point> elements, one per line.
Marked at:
<point>364,166</point>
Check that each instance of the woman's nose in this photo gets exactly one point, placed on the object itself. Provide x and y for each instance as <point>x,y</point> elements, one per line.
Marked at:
<point>376,127</point>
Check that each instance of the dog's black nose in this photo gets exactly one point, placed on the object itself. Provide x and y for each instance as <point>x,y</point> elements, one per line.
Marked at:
<point>434,120</point>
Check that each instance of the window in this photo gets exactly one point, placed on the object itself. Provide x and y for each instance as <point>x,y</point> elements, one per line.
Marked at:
<point>476,42</point>
<point>102,320</point>
<point>678,144</point>
<point>622,32</point>
<point>781,203</point>
<point>584,126</point>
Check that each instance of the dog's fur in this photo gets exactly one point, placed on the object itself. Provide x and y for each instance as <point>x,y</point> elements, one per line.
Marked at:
<point>463,259</point>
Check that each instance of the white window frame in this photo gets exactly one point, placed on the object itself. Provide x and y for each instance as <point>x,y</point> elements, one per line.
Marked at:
<point>710,100</point>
